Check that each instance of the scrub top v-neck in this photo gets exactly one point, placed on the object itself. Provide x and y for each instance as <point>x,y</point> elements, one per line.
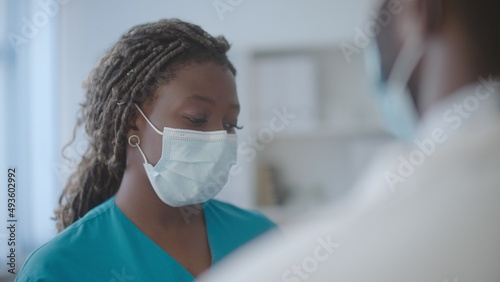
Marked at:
<point>105,245</point>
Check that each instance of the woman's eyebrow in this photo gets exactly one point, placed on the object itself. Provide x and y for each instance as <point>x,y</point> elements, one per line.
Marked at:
<point>203,99</point>
<point>210,101</point>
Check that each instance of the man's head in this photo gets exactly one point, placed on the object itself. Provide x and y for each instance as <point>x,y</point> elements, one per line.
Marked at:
<point>457,39</point>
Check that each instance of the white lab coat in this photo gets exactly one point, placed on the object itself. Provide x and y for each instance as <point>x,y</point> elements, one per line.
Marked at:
<point>441,224</point>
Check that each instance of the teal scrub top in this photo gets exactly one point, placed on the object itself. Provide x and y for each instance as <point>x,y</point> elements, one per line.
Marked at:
<point>105,245</point>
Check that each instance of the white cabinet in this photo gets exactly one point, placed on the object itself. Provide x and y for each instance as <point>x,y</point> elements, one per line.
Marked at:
<point>330,131</point>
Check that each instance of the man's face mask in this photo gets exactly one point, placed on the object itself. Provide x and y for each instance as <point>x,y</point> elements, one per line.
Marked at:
<point>392,93</point>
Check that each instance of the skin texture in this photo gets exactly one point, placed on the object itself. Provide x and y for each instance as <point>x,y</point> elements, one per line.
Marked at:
<point>201,97</point>
<point>448,62</point>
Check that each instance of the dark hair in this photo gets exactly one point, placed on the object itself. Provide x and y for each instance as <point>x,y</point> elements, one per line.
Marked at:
<point>130,72</point>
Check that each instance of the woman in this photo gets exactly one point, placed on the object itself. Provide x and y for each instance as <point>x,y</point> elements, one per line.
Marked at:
<point>160,113</point>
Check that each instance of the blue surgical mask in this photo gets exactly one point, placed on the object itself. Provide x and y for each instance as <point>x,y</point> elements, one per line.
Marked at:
<point>194,165</point>
<point>394,98</point>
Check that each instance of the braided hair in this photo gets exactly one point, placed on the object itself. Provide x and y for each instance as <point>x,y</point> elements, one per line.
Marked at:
<point>143,58</point>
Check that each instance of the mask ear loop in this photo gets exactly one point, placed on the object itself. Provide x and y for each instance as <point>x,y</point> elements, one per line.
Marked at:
<point>150,123</point>
<point>137,145</point>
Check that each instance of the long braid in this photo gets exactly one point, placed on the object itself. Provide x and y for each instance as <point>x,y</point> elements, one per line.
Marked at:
<point>130,72</point>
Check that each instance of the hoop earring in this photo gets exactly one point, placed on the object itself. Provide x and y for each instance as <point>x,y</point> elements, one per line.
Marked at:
<point>137,145</point>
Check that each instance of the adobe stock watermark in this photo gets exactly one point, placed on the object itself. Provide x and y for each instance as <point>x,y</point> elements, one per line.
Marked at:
<point>302,270</point>
<point>363,36</point>
<point>222,7</point>
<point>454,117</point>
<point>31,26</point>
<point>247,152</point>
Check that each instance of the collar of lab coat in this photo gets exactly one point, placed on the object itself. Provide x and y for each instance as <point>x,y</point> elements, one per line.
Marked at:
<point>473,107</point>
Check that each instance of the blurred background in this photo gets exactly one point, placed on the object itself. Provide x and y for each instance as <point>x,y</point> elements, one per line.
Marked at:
<point>311,123</point>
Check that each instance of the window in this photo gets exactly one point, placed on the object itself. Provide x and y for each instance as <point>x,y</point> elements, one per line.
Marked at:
<point>28,76</point>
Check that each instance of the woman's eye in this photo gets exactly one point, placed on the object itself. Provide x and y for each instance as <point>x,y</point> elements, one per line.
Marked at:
<point>197,121</point>
<point>233,127</point>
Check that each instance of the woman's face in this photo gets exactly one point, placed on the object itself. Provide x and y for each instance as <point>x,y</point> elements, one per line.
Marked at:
<point>201,97</point>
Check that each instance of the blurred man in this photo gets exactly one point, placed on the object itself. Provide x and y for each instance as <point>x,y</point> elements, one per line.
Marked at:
<point>438,69</point>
